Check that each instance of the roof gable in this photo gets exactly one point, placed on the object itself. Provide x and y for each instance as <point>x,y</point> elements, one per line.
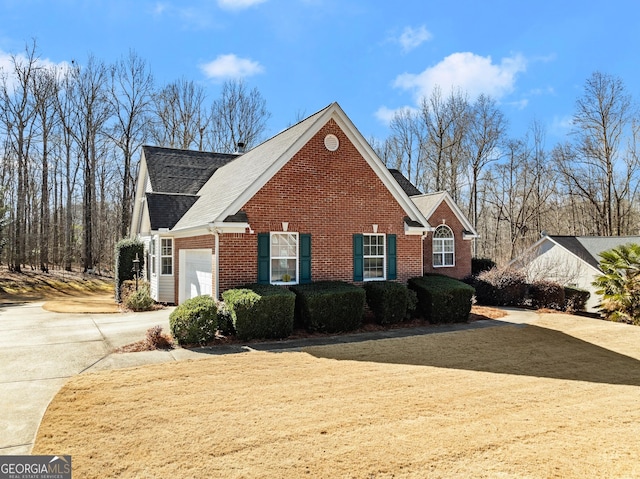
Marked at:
<point>232,185</point>
<point>181,171</point>
<point>429,202</point>
<point>588,248</point>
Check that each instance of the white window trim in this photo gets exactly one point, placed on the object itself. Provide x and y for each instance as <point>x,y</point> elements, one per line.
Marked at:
<point>161,256</point>
<point>383,256</point>
<point>153,255</point>
<point>442,254</point>
<point>271,258</point>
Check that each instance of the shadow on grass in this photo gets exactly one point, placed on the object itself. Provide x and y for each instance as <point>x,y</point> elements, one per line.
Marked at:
<point>521,350</point>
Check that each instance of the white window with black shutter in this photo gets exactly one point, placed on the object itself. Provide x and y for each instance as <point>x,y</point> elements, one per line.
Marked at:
<point>374,257</point>
<point>284,258</point>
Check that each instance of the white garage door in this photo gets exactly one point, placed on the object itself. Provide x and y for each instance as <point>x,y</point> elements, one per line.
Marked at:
<point>195,273</point>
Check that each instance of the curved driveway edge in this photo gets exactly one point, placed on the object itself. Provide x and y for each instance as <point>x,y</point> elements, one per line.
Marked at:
<point>41,350</point>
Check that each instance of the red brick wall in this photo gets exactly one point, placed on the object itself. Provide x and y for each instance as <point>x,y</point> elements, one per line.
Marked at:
<point>330,195</point>
<point>462,259</point>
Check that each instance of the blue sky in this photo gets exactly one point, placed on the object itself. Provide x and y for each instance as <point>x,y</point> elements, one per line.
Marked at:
<point>372,56</point>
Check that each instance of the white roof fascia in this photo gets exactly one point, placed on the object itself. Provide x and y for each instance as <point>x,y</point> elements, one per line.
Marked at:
<point>445,196</point>
<point>415,230</point>
<point>139,198</point>
<point>222,227</point>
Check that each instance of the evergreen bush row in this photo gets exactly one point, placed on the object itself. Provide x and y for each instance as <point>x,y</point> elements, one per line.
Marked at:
<point>258,311</point>
<point>442,299</point>
<point>509,287</point>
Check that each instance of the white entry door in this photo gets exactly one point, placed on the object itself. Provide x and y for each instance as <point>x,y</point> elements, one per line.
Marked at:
<point>195,273</point>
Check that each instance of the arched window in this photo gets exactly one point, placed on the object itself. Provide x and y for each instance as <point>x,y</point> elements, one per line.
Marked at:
<point>443,247</point>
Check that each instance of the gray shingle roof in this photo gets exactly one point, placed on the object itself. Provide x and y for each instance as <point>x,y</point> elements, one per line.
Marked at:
<point>181,171</point>
<point>588,248</point>
<point>166,209</point>
<point>408,187</point>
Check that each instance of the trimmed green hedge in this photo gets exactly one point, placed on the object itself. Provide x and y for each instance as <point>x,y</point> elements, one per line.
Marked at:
<point>261,311</point>
<point>442,299</point>
<point>125,253</point>
<point>329,306</point>
<point>387,300</point>
<point>546,294</point>
<point>195,321</point>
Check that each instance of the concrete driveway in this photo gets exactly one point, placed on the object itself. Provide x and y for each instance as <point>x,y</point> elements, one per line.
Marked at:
<point>40,351</point>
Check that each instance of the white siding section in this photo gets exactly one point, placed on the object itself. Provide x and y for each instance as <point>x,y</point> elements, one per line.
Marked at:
<point>166,289</point>
<point>555,263</point>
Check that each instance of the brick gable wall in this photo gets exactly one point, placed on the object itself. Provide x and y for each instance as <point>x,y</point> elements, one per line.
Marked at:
<point>463,253</point>
<point>330,195</point>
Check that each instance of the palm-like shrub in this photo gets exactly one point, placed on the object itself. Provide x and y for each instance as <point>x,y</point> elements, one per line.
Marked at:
<point>619,283</point>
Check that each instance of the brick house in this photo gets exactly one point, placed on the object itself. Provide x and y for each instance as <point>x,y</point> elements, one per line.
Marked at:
<point>312,203</point>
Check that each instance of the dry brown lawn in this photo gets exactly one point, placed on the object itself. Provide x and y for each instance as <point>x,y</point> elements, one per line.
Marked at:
<point>63,291</point>
<point>558,398</point>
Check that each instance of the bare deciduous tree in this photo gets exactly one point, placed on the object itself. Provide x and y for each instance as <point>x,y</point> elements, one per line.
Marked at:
<point>238,116</point>
<point>18,113</point>
<point>131,90</point>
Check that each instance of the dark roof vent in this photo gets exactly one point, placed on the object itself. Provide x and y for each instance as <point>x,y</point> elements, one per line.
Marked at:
<point>241,147</point>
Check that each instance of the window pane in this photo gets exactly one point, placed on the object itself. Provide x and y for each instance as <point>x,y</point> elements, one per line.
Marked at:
<point>437,259</point>
<point>443,232</point>
<point>284,245</point>
<point>437,246</point>
<point>448,259</point>
<point>448,246</point>
<point>373,268</point>
<point>166,266</point>
<point>283,270</point>
<point>166,247</point>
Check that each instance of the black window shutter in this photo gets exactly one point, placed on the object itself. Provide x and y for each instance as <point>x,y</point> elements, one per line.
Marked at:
<point>358,257</point>
<point>305,259</point>
<point>263,258</point>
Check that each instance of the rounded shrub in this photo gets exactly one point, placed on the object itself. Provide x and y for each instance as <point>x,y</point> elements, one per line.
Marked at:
<point>478,265</point>
<point>387,300</point>
<point>546,294</point>
<point>575,299</point>
<point>195,321</point>
<point>139,300</point>
<point>501,287</point>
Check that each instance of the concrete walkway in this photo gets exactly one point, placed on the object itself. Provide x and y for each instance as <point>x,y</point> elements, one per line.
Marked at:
<point>40,351</point>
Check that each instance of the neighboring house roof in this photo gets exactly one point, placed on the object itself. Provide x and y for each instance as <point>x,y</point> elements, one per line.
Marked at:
<point>588,248</point>
<point>233,184</point>
<point>408,187</point>
<point>181,171</point>
<point>166,209</point>
<point>429,202</point>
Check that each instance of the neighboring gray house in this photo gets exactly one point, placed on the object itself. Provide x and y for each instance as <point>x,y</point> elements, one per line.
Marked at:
<point>569,260</point>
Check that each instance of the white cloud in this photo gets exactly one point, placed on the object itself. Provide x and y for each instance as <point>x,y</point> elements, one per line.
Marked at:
<point>238,4</point>
<point>474,74</point>
<point>385,115</point>
<point>7,66</point>
<point>230,66</point>
<point>561,125</point>
<point>412,38</point>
